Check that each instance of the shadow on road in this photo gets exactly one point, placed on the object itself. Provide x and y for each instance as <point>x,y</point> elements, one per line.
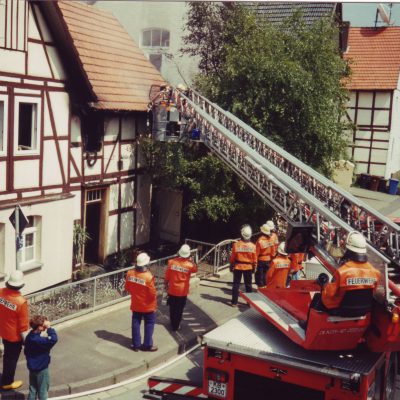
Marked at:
<point>114,338</point>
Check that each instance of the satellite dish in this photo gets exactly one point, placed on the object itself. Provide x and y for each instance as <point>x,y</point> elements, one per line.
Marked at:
<point>383,14</point>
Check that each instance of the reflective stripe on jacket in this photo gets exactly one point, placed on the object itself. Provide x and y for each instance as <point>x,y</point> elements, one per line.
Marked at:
<point>178,275</point>
<point>14,315</point>
<point>265,248</point>
<point>350,276</point>
<point>140,285</point>
<point>278,272</point>
<point>243,256</point>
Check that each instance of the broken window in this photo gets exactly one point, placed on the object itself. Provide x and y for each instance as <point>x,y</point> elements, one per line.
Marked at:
<point>93,131</point>
<point>27,126</point>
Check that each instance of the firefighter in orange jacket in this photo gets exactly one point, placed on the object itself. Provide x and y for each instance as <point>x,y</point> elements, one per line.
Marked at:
<point>274,236</point>
<point>296,264</point>
<point>177,278</point>
<point>355,273</point>
<point>279,269</point>
<point>14,326</point>
<point>265,252</point>
<point>139,282</point>
<point>242,262</point>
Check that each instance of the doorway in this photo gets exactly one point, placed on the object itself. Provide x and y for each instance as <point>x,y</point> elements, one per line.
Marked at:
<point>95,224</point>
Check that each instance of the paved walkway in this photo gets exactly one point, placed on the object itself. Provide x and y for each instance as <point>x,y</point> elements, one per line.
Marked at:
<point>94,350</point>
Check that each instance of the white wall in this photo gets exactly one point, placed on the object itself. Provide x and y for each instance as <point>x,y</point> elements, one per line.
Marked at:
<point>138,15</point>
<point>55,244</point>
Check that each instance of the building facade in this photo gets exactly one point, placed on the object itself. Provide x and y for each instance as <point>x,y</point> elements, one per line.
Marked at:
<point>73,103</point>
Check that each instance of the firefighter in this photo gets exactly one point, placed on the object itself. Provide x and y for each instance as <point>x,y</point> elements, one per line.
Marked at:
<point>273,234</point>
<point>296,265</point>
<point>242,262</point>
<point>265,252</point>
<point>355,273</point>
<point>177,277</point>
<point>139,282</point>
<point>279,269</point>
<point>14,326</point>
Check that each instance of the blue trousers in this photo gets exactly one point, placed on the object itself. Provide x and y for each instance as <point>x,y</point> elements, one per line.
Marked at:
<point>39,383</point>
<point>149,322</point>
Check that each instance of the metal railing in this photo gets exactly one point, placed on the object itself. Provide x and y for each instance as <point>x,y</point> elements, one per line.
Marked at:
<point>74,299</point>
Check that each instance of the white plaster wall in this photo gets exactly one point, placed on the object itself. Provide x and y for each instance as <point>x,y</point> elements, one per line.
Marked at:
<point>51,165</point>
<point>60,108</point>
<point>111,158</point>
<point>77,205</point>
<point>33,31</point>
<point>92,170</point>
<point>76,153</point>
<point>12,61</point>
<point>128,127</point>
<point>138,15</point>
<point>393,164</point>
<point>113,202</point>
<point>26,174</point>
<point>111,128</point>
<point>112,246</point>
<point>56,244</point>
<point>144,210</point>
<point>128,156</point>
<point>127,228</point>
<point>2,176</point>
<point>75,128</point>
<point>127,194</point>
<point>37,61</point>
<point>56,64</point>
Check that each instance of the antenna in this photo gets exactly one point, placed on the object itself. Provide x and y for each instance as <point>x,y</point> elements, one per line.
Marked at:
<point>383,14</point>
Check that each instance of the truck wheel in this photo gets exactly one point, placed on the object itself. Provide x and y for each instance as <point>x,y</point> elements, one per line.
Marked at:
<point>391,374</point>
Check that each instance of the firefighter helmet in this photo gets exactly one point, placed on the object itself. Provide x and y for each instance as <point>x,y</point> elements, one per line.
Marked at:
<point>281,249</point>
<point>271,225</point>
<point>265,229</point>
<point>246,232</point>
<point>356,242</point>
<point>184,251</point>
<point>16,280</point>
<point>142,260</point>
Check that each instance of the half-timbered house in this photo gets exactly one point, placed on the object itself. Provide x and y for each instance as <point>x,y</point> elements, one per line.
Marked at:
<point>73,102</point>
<point>374,55</point>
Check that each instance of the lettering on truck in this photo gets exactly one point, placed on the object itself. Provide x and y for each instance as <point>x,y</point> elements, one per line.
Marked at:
<point>137,280</point>
<point>8,304</point>
<point>179,269</point>
<point>360,281</point>
<point>339,331</point>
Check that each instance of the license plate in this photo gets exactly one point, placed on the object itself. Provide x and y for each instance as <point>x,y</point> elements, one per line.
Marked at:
<point>217,389</point>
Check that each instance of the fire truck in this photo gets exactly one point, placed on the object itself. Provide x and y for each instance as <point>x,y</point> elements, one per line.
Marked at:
<point>266,353</point>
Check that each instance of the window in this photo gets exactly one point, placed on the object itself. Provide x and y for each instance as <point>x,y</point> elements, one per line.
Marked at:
<point>30,250</point>
<point>27,125</point>
<point>155,38</point>
<point>93,131</point>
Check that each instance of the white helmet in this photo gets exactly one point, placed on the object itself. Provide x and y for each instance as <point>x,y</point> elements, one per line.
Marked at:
<point>16,280</point>
<point>142,260</point>
<point>271,225</point>
<point>181,87</point>
<point>356,242</point>
<point>281,249</point>
<point>265,229</point>
<point>246,232</point>
<point>184,251</point>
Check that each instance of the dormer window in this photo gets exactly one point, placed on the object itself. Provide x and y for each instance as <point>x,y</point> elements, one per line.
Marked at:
<point>155,37</point>
<point>13,24</point>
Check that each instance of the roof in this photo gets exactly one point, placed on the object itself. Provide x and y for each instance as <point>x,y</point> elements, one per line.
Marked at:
<point>277,12</point>
<point>375,58</point>
<point>119,74</point>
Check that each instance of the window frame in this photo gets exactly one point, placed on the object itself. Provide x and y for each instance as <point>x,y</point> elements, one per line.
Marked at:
<point>160,46</point>
<point>34,230</point>
<point>28,100</point>
<point>4,100</point>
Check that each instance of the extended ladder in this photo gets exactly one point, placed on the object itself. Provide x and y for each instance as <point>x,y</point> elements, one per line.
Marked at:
<point>292,188</point>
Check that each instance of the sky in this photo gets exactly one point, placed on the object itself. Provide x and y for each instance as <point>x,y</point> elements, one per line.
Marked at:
<point>363,14</point>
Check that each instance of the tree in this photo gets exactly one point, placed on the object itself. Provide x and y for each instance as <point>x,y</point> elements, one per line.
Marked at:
<point>287,82</point>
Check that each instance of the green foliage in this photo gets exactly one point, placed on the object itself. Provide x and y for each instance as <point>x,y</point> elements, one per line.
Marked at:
<point>286,82</point>
<point>79,239</point>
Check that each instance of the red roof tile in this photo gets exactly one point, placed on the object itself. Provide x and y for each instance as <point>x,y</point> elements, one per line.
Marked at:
<point>375,57</point>
<point>117,70</point>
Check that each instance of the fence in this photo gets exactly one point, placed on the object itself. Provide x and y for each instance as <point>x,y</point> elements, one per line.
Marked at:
<point>73,299</point>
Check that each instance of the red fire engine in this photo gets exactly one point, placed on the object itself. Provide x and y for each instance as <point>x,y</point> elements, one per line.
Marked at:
<point>266,353</point>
